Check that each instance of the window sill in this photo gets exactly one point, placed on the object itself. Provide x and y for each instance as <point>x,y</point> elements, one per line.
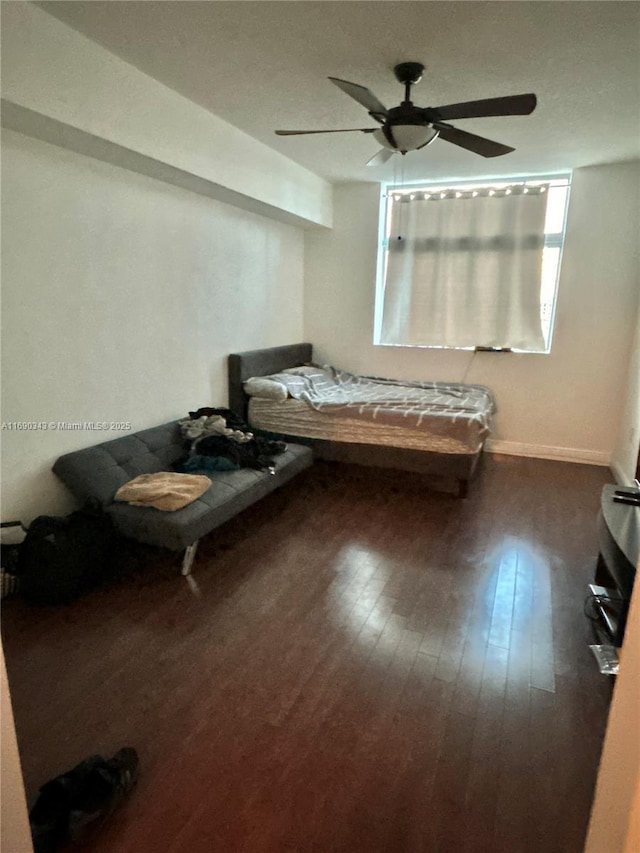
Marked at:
<point>479,348</point>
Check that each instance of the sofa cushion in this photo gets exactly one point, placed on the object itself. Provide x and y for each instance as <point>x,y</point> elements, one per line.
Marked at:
<point>99,471</point>
<point>230,493</point>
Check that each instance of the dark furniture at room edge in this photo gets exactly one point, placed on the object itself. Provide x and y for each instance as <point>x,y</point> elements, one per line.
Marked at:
<point>242,366</point>
<point>619,543</point>
<point>99,471</point>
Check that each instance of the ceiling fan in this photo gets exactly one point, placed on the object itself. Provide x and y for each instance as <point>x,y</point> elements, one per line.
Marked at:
<point>408,128</point>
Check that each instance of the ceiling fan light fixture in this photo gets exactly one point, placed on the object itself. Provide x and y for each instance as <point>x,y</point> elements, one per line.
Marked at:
<point>407,137</point>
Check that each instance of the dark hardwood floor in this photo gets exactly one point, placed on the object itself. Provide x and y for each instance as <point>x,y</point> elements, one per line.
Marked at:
<point>360,665</point>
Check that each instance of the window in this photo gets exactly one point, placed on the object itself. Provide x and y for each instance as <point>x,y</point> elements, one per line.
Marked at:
<point>471,265</point>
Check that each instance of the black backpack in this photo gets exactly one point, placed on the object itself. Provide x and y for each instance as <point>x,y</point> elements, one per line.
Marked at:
<point>61,558</point>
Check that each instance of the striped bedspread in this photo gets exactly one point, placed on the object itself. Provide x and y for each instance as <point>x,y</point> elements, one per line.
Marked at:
<point>448,409</point>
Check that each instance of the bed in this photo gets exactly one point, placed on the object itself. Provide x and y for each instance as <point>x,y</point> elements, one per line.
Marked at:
<point>431,428</point>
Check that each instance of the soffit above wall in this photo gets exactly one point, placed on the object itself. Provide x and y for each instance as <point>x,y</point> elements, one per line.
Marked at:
<point>263,65</point>
<point>64,88</point>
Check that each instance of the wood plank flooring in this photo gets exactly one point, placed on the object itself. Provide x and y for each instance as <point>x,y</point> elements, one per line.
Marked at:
<point>361,664</point>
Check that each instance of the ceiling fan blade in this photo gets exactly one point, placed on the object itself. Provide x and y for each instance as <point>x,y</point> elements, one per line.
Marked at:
<point>381,157</point>
<point>362,95</point>
<point>477,144</point>
<point>509,105</point>
<point>341,130</point>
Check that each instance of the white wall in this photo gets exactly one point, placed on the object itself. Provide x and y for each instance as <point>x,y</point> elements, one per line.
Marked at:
<point>65,88</point>
<point>564,405</point>
<point>121,297</point>
<point>625,453</point>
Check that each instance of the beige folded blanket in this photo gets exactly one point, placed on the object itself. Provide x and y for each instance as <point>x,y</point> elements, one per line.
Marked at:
<point>165,490</point>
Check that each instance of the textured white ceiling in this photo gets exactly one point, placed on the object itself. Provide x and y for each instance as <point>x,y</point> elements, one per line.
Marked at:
<point>263,65</point>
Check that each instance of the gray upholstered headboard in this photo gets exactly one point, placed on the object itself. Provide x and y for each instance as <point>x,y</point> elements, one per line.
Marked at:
<point>261,362</point>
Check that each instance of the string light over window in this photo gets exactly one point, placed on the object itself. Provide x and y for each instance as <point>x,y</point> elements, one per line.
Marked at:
<point>491,190</point>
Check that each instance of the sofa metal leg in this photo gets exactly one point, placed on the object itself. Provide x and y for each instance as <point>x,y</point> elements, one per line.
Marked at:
<point>189,556</point>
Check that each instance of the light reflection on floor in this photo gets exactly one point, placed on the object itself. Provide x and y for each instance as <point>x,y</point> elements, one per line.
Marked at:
<point>509,605</point>
<point>518,598</point>
<point>355,597</point>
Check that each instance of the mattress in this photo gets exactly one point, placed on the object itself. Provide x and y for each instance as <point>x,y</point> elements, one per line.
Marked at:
<point>296,418</point>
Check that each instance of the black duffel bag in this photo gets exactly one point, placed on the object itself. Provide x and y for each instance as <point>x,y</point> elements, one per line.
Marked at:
<point>61,558</point>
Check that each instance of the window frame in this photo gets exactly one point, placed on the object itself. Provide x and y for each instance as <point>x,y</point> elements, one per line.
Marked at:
<point>551,240</point>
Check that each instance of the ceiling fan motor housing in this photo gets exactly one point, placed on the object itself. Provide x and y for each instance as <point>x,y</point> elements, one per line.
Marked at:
<point>405,128</point>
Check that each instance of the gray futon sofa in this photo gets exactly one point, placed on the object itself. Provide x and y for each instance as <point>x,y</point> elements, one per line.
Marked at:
<point>99,471</point>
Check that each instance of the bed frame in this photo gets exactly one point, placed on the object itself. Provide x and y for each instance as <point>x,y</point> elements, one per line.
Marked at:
<point>458,467</point>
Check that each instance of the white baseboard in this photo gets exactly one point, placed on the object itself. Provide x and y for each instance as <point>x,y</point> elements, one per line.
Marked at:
<point>536,451</point>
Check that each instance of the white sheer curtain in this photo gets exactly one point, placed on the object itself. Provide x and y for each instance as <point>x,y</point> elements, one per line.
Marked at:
<point>466,271</point>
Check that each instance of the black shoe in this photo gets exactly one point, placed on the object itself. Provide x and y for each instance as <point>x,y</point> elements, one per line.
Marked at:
<point>105,788</point>
<point>124,765</point>
<point>49,817</point>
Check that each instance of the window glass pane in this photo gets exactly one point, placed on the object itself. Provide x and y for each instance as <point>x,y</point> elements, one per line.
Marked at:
<point>550,260</point>
<point>556,202</point>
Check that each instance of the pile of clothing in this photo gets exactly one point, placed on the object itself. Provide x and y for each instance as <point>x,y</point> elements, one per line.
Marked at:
<point>220,441</point>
